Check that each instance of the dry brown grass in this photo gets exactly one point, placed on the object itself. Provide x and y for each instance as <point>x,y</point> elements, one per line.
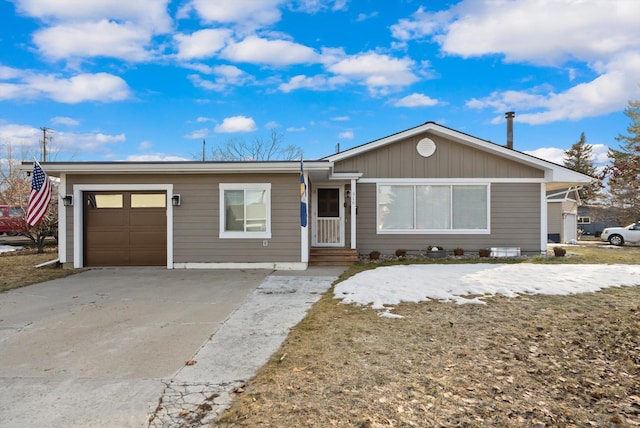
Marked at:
<point>529,361</point>
<point>17,268</point>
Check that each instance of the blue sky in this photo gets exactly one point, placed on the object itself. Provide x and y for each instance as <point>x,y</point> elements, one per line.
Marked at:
<point>150,79</point>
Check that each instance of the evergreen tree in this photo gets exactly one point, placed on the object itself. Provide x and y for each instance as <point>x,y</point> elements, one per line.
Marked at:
<point>580,158</point>
<point>624,171</point>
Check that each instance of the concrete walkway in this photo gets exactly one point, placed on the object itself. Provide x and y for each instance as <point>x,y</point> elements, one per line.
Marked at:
<point>110,347</point>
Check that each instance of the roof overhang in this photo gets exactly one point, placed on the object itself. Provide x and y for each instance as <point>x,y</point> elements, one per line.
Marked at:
<point>55,169</point>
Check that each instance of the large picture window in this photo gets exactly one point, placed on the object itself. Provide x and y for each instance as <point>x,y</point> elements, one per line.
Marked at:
<point>245,210</point>
<point>419,208</point>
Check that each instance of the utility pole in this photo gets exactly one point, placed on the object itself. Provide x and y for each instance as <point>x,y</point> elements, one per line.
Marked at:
<point>204,143</point>
<point>44,142</point>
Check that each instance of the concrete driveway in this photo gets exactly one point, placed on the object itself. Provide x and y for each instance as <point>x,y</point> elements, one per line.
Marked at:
<point>109,347</point>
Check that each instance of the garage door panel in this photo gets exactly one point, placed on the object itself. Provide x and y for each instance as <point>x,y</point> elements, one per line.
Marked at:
<point>117,235</point>
<point>107,239</point>
<point>140,239</point>
<point>148,218</point>
<point>107,257</point>
<point>148,258</point>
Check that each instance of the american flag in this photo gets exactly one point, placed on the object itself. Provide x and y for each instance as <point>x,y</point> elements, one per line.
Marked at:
<point>40,195</point>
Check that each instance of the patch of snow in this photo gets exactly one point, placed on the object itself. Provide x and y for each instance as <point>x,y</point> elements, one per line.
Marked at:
<point>463,284</point>
<point>7,248</point>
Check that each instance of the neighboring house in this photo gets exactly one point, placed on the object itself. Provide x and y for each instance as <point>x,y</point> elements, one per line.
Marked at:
<point>428,185</point>
<point>593,219</point>
<point>562,217</point>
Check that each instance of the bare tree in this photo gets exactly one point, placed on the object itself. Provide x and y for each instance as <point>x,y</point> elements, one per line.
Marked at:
<point>15,188</point>
<point>260,149</point>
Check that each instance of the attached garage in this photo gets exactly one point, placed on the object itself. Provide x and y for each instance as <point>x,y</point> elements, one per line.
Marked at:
<point>125,228</point>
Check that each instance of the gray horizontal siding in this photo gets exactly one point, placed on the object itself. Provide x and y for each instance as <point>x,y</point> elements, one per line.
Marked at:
<point>196,221</point>
<point>451,159</point>
<point>515,222</point>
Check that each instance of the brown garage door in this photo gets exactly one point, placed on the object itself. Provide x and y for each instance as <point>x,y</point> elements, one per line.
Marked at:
<point>125,229</point>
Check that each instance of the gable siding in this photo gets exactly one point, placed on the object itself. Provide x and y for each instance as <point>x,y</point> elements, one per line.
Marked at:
<point>196,221</point>
<point>451,159</point>
<point>515,222</point>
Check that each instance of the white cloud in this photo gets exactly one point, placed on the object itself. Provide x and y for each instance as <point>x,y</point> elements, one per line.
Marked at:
<point>249,13</point>
<point>272,125</point>
<point>236,124</point>
<point>21,135</point>
<point>366,16</point>
<point>94,39</point>
<point>607,93</point>
<point>315,83</point>
<point>341,118</point>
<point>63,142</point>
<point>102,87</point>
<point>294,129</point>
<point>62,120</point>
<point>256,50</point>
<point>315,6</point>
<point>551,154</point>
<point>346,135</point>
<point>198,134</point>
<point>80,88</point>
<point>603,36</point>
<point>226,75</point>
<point>203,119</point>
<point>145,145</point>
<point>151,14</point>
<point>379,73</point>
<point>201,44</point>
<point>599,154</point>
<point>416,100</point>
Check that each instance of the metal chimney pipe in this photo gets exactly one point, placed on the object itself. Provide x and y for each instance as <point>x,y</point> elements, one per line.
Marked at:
<point>509,116</point>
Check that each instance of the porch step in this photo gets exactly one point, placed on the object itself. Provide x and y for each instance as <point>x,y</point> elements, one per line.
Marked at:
<point>332,256</point>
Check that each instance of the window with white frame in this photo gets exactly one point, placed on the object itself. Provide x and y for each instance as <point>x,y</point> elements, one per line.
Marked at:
<point>584,220</point>
<point>245,210</point>
<point>426,208</point>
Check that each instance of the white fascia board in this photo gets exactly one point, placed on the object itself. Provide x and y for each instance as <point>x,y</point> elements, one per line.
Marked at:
<point>345,175</point>
<point>56,168</point>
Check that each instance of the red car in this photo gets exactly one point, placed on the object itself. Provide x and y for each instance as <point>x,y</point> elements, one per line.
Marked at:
<point>12,220</point>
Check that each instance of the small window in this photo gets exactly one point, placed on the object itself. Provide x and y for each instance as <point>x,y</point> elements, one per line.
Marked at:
<point>16,212</point>
<point>584,220</point>
<point>148,200</point>
<point>245,210</point>
<point>105,200</point>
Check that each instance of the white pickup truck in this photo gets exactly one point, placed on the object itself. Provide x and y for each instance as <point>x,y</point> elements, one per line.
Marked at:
<point>620,235</point>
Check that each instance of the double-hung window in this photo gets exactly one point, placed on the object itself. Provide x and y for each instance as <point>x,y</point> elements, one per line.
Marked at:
<point>245,210</point>
<point>433,208</point>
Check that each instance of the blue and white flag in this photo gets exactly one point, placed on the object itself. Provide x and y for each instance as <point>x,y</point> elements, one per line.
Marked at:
<point>303,197</point>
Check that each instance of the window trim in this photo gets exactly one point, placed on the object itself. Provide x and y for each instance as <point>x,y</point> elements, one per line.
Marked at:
<point>396,182</point>
<point>583,219</point>
<point>223,234</point>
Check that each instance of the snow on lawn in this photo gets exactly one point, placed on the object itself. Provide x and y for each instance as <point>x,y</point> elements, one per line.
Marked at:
<point>390,285</point>
<point>7,248</point>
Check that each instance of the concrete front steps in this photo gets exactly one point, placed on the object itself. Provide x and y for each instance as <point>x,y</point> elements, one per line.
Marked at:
<point>332,256</point>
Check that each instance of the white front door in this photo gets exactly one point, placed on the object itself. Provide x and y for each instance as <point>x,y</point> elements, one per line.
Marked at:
<point>328,216</point>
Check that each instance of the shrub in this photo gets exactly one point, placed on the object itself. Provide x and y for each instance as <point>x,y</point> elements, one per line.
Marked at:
<point>559,251</point>
<point>374,255</point>
<point>458,251</point>
<point>401,253</point>
<point>484,252</point>
<point>434,248</point>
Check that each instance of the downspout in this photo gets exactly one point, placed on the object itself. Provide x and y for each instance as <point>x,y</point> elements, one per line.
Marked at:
<point>62,220</point>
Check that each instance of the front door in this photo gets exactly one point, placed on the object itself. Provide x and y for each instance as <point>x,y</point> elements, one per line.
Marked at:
<point>328,216</point>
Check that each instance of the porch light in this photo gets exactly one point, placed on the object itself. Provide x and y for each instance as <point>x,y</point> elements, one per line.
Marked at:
<point>67,201</point>
<point>176,200</point>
